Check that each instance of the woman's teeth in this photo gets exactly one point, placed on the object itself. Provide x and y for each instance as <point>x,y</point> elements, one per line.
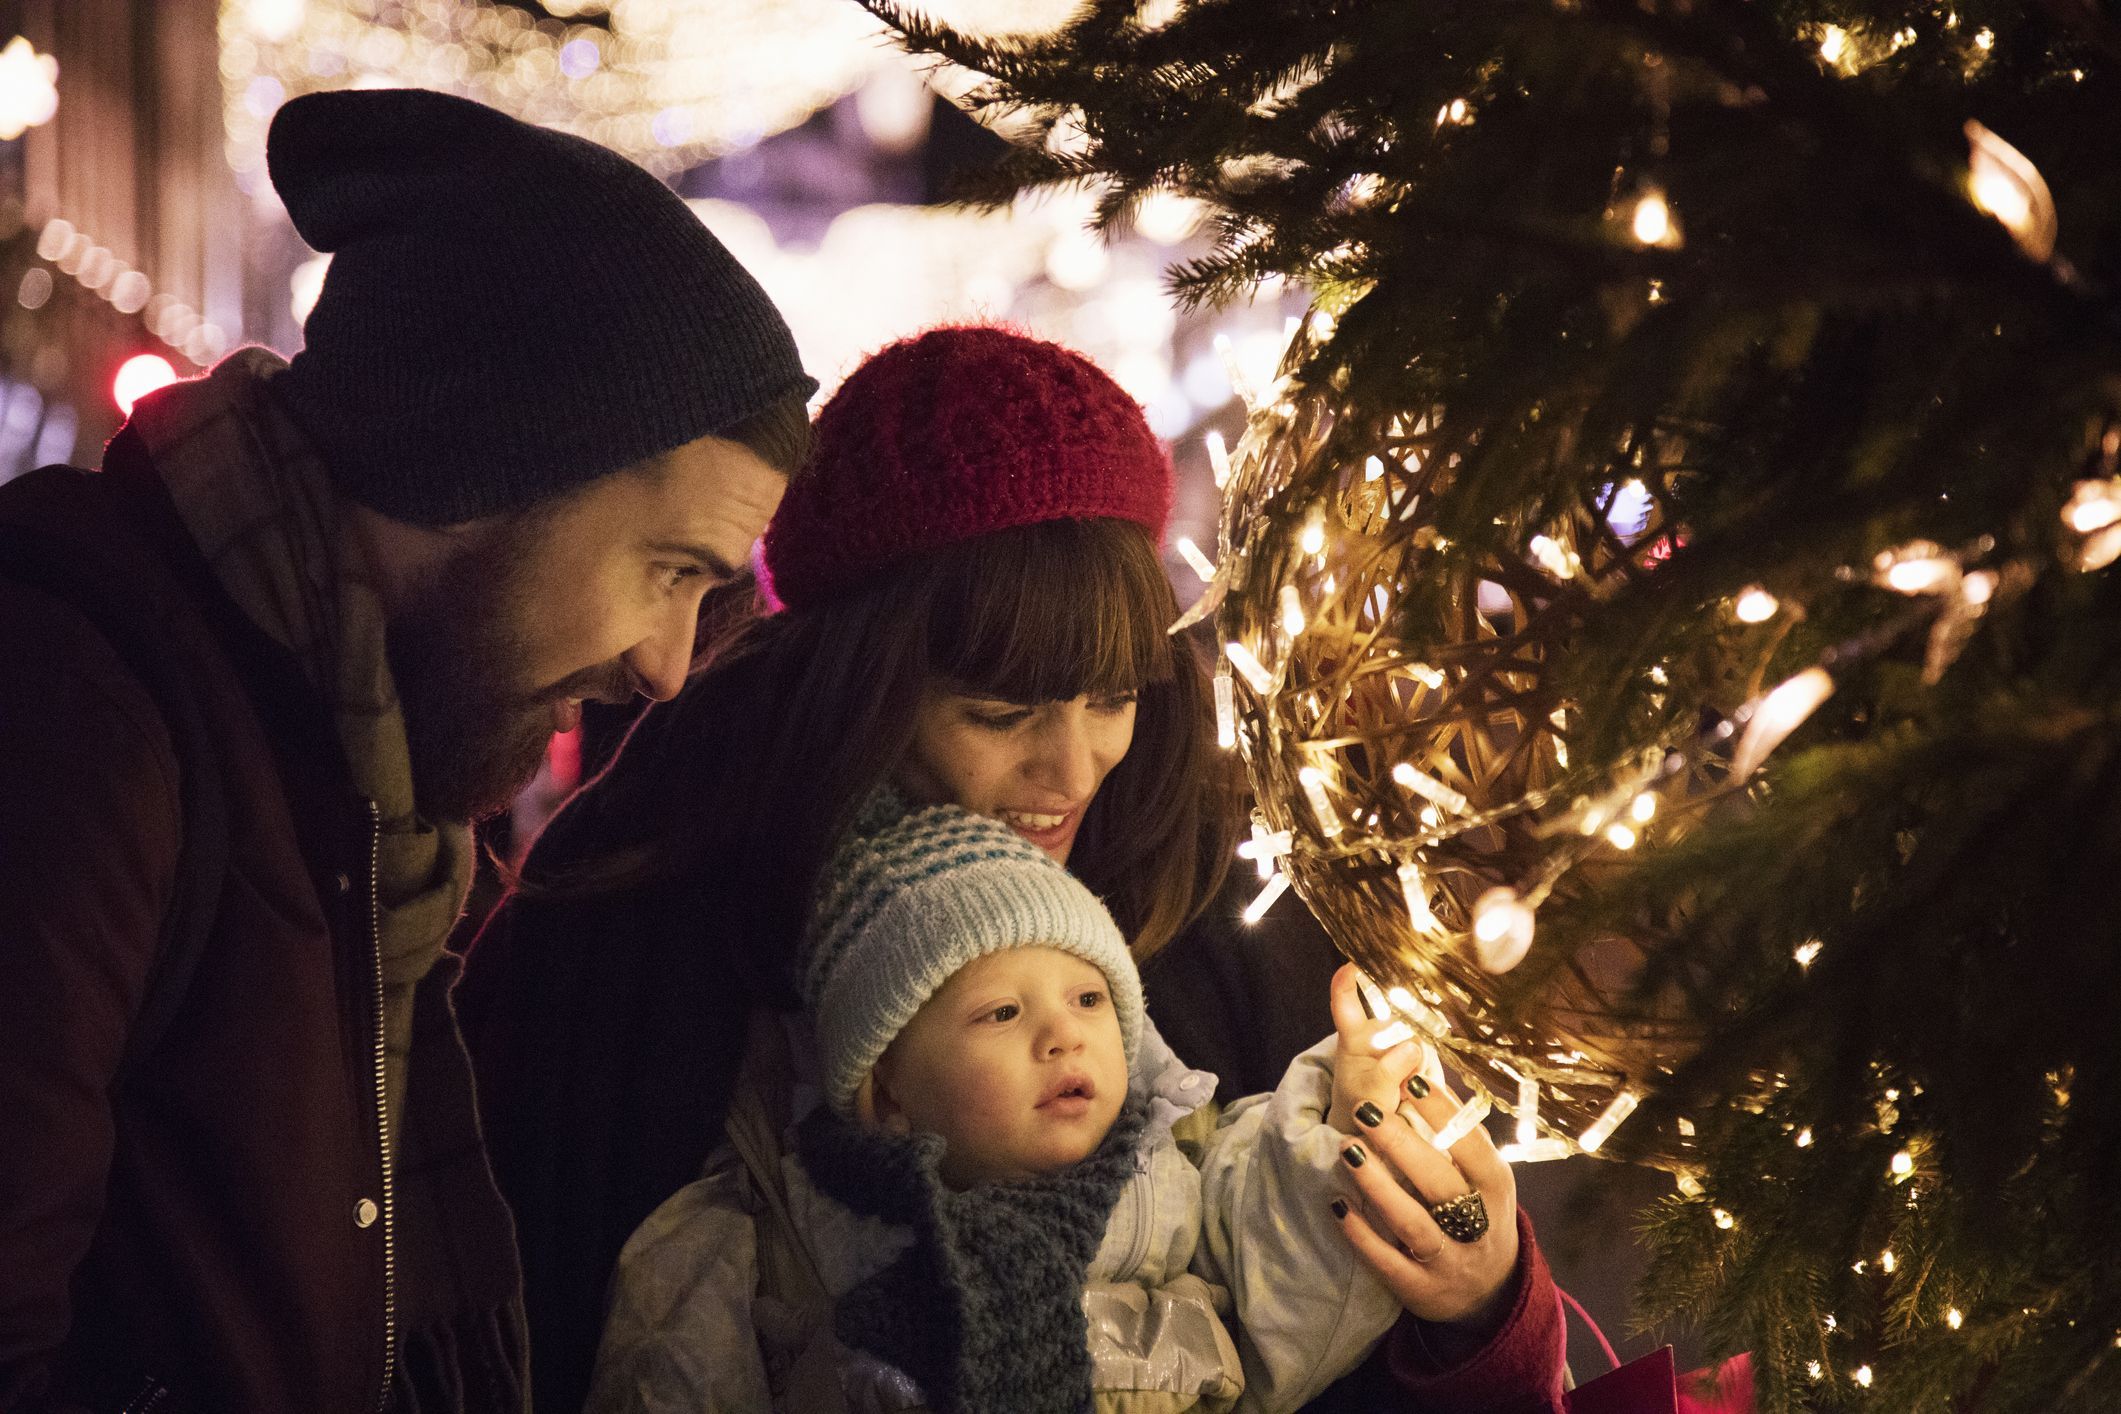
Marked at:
<point>1025,820</point>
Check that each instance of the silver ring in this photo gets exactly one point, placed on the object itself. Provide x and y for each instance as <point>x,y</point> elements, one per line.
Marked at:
<point>1462,1219</point>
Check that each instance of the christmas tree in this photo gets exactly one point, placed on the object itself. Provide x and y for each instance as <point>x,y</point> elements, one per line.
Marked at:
<point>1668,613</point>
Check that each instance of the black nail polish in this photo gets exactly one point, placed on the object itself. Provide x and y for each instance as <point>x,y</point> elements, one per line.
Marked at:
<point>1353,1154</point>
<point>1340,1208</point>
<point>1417,1087</point>
<point>1368,1114</point>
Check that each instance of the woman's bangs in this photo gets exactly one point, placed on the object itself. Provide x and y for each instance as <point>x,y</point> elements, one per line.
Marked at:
<point>1047,612</point>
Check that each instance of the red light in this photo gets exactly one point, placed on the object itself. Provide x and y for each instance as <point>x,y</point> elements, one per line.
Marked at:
<point>137,377</point>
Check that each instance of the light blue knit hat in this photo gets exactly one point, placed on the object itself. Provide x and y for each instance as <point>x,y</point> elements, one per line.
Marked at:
<point>911,896</point>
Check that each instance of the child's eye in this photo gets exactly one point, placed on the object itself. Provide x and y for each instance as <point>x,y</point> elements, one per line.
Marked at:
<point>1091,999</point>
<point>1005,1012</point>
<point>1118,702</point>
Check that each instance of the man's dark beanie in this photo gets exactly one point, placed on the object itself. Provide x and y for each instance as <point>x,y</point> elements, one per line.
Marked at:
<point>510,312</point>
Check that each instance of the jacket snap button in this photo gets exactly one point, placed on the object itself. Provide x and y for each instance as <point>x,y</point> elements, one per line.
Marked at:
<point>343,881</point>
<point>364,1213</point>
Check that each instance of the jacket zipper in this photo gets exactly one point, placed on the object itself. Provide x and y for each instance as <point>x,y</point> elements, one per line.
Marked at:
<point>384,1139</point>
<point>1142,1202</point>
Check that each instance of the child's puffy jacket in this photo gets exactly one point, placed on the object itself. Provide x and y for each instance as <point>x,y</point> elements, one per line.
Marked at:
<point>1221,1286</point>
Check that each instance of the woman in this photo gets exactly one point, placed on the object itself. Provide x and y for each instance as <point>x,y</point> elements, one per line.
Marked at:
<point>973,609</point>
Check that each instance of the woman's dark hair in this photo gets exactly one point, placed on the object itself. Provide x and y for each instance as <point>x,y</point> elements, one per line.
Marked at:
<point>744,784</point>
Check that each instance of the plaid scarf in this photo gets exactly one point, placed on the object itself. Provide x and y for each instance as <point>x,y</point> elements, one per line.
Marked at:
<point>255,497</point>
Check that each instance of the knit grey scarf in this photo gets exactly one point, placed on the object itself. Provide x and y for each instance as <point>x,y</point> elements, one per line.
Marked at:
<point>984,1311</point>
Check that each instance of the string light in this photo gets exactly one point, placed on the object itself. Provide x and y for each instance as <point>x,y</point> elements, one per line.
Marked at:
<point>1503,925</point>
<point>1225,709</point>
<point>1864,1376</point>
<point>1620,835</point>
<point>1255,672</point>
<point>1277,885</point>
<point>1552,558</point>
<point>1804,1137</point>
<point>2005,184</point>
<point>1756,606</point>
<point>1723,1219</point>
<point>1527,1109</point>
<point>1887,1262</point>
<point>1265,847</point>
<point>1805,954</point>
<point>1468,1117</point>
<point>1644,808</point>
<point>1313,781</point>
<point>1312,539</point>
<point>1918,567</point>
<point>1200,564</point>
<point>1416,891</point>
<point>1292,610</point>
<point>1218,458</point>
<point>1778,714</point>
<point>1391,1036</point>
<point>1903,1166</point>
<point>1427,786</point>
<point>1954,1318</point>
<point>1653,222</point>
<point>1623,1105</point>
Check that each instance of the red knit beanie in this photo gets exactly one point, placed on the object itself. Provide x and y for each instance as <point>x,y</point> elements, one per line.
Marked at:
<point>950,435</point>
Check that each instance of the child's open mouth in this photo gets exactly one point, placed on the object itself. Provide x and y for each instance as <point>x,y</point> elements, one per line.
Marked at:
<point>1069,1095</point>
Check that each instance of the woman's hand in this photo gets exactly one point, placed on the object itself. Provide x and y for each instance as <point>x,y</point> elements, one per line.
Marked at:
<point>1435,1277</point>
<point>1361,1072</point>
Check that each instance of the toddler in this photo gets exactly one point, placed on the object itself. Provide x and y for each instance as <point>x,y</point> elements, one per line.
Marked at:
<point>989,1213</point>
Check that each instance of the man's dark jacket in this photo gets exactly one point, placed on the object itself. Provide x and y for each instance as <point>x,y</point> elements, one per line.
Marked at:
<point>208,1227</point>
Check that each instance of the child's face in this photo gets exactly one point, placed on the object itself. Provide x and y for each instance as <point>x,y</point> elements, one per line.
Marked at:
<point>1016,1062</point>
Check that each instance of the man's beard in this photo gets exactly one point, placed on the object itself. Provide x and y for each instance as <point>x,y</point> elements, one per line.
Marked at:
<point>455,651</point>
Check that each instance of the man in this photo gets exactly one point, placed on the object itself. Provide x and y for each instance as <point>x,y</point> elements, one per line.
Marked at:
<point>260,672</point>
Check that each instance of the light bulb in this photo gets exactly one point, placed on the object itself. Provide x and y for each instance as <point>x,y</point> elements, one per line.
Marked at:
<point>1756,606</point>
<point>1276,887</point>
<point>1779,713</point>
<point>1247,663</point>
<point>1313,781</point>
<point>1503,925</point>
<point>1653,222</point>
<point>1200,564</point>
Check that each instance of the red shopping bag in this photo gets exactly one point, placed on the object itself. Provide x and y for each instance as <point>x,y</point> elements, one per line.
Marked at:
<point>1652,1385</point>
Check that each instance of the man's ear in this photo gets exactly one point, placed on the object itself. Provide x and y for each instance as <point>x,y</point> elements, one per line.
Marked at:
<point>875,1108</point>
